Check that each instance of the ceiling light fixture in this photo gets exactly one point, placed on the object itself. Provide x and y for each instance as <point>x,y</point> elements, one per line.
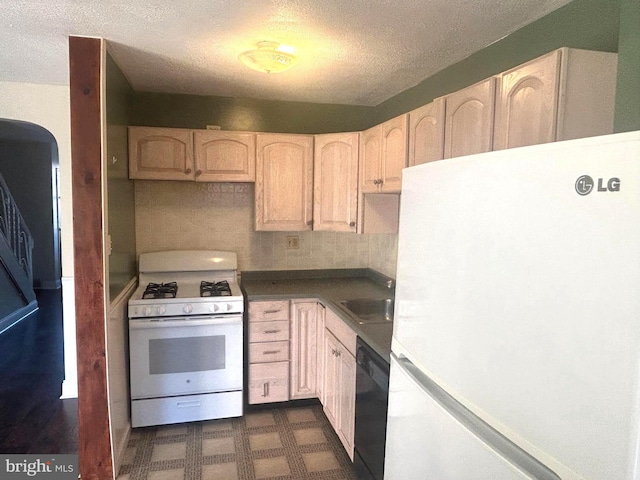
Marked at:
<point>269,57</point>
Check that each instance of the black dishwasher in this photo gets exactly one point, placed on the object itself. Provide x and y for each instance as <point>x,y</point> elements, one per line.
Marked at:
<point>372,394</point>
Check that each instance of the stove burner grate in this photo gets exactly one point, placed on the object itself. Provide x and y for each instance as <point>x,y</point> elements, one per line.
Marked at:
<point>161,290</point>
<point>215,289</point>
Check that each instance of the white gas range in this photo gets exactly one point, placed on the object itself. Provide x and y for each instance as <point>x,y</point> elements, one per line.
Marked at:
<point>186,338</point>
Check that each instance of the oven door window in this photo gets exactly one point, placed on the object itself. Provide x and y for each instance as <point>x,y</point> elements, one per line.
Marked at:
<point>185,356</point>
<point>188,354</point>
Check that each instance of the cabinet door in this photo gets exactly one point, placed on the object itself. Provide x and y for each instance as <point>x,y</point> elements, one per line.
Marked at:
<point>320,353</point>
<point>469,120</point>
<point>224,156</point>
<point>284,182</point>
<point>160,153</point>
<point>369,164</point>
<point>331,378</point>
<point>304,325</point>
<point>528,103</point>
<point>340,390</point>
<point>335,182</point>
<point>393,153</point>
<point>347,399</point>
<point>426,133</point>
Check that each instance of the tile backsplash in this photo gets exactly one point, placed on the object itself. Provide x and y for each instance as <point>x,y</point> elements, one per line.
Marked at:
<point>220,216</point>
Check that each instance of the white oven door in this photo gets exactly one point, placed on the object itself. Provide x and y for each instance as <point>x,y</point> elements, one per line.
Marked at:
<point>185,355</point>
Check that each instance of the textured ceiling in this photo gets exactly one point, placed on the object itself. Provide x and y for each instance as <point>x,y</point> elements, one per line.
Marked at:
<point>358,52</point>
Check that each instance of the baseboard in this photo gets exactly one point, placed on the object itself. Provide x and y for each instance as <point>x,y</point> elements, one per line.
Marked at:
<point>121,449</point>
<point>50,285</point>
<point>69,388</point>
<point>70,384</point>
<point>10,320</point>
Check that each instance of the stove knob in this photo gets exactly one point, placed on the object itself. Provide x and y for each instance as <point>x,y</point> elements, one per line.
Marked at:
<point>214,307</point>
<point>229,307</point>
<point>188,308</point>
<point>161,310</point>
<point>147,311</point>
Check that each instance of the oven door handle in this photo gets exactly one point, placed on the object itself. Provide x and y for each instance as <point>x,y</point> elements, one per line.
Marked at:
<point>187,322</point>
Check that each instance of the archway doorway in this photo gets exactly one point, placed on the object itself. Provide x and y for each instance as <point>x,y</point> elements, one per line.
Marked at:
<point>29,164</point>
<point>32,365</point>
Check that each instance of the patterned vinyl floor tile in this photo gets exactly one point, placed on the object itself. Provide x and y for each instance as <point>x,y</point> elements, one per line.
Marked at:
<point>283,443</point>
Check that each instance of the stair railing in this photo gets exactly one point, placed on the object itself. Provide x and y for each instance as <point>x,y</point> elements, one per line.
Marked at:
<point>15,230</point>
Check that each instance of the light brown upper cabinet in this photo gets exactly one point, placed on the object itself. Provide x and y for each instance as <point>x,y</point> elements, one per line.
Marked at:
<point>284,182</point>
<point>222,156</point>
<point>565,94</point>
<point>370,154</point>
<point>335,182</point>
<point>383,155</point>
<point>426,133</point>
<point>183,154</point>
<point>161,153</point>
<point>469,119</point>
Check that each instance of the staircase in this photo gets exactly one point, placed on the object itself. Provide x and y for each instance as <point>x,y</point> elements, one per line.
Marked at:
<point>17,298</point>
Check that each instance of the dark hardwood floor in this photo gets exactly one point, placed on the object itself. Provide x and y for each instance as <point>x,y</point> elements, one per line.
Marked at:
<point>33,419</point>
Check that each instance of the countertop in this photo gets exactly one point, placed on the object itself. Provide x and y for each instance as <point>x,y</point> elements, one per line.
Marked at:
<point>328,287</point>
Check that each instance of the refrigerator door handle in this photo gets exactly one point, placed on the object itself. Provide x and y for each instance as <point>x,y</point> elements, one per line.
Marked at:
<point>476,425</point>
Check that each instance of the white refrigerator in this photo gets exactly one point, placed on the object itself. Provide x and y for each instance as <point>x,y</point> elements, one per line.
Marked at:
<point>516,341</point>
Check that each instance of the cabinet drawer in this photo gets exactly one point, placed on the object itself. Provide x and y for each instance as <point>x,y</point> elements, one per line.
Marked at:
<point>269,331</point>
<point>268,352</point>
<point>341,330</point>
<point>269,382</point>
<point>268,311</point>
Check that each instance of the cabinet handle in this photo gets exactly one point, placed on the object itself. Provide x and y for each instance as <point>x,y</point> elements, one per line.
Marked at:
<point>198,173</point>
<point>271,352</point>
<point>271,331</point>
<point>310,222</point>
<point>266,312</point>
<point>265,389</point>
<point>352,224</point>
<point>338,353</point>
<point>188,170</point>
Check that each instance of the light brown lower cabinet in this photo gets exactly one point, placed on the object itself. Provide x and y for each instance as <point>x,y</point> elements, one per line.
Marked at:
<point>268,351</point>
<point>320,352</point>
<point>304,330</point>
<point>340,389</point>
<point>299,349</point>
<point>339,382</point>
<point>269,382</point>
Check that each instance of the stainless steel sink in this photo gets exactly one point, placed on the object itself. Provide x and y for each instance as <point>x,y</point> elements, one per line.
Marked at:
<point>369,310</point>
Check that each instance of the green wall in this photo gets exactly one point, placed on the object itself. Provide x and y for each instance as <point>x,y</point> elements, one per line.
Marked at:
<point>193,111</point>
<point>628,88</point>
<point>586,24</point>
<point>121,201</point>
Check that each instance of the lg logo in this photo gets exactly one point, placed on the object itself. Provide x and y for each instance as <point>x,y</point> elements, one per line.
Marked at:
<point>585,184</point>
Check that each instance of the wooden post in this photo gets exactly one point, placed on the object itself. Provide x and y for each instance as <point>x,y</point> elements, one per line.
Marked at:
<point>94,446</point>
